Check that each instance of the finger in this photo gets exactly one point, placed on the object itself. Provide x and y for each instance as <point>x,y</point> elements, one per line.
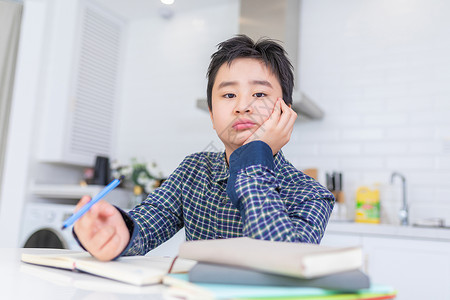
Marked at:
<point>110,249</point>
<point>271,121</point>
<point>94,229</point>
<point>101,237</point>
<point>286,124</point>
<point>82,222</point>
<point>97,209</point>
<point>85,199</point>
<point>89,223</point>
<point>293,116</point>
<point>291,122</point>
<point>85,228</point>
<point>111,241</point>
<point>285,116</point>
<point>276,112</point>
<point>105,209</point>
<point>279,105</point>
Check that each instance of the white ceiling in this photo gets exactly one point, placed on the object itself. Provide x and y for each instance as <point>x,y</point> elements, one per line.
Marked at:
<point>138,9</point>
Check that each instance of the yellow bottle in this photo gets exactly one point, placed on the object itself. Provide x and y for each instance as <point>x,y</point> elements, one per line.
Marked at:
<point>367,205</point>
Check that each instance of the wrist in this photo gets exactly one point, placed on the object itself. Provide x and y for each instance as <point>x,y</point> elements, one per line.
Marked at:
<point>253,153</point>
<point>131,228</point>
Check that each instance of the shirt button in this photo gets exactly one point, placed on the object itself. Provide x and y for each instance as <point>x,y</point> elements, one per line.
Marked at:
<point>224,201</point>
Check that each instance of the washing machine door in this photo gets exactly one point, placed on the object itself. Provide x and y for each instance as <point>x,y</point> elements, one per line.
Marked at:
<point>46,238</point>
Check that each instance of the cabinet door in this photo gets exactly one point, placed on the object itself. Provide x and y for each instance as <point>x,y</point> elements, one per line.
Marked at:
<point>344,240</point>
<point>81,81</point>
<point>418,269</point>
<point>341,240</point>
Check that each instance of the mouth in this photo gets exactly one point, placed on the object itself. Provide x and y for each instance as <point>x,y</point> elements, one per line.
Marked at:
<point>242,124</point>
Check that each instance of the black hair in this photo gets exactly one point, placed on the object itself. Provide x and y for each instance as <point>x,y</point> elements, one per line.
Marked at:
<point>266,50</point>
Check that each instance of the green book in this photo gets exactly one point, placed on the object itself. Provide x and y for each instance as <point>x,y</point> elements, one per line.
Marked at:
<point>179,286</point>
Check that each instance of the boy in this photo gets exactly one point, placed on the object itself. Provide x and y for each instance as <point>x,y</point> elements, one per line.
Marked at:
<point>249,190</point>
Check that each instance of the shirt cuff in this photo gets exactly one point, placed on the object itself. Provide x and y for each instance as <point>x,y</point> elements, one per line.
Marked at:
<point>251,154</point>
<point>132,228</point>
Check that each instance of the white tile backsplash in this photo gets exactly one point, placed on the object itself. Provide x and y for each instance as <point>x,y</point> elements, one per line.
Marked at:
<point>408,133</point>
<point>363,163</point>
<point>381,72</point>
<point>362,134</point>
<point>409,162</point>
<point>384,148</point>
<point>330,149</point>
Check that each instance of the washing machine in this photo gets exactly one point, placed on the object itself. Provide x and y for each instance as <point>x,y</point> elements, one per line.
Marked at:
<point>41,227</point>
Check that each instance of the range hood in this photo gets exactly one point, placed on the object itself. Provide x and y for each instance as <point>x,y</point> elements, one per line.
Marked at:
<point>279,20</point>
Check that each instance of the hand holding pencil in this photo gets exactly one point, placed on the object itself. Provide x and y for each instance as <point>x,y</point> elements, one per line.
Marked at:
<point>101,230</point>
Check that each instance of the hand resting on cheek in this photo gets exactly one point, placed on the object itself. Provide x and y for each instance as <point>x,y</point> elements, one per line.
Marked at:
<point>277,129</point>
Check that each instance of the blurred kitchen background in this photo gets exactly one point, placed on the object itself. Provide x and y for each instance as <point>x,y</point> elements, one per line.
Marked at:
<point>125,79</point>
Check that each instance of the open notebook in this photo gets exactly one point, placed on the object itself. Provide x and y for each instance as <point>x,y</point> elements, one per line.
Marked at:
<point>136,270</point>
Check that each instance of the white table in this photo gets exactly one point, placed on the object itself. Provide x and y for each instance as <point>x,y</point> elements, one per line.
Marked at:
<point>24,281</point>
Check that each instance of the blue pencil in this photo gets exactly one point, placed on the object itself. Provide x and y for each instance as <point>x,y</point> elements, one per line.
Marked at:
<point>94,200</point>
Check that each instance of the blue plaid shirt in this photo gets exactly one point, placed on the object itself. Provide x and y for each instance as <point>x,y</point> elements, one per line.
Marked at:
<point>259,196</point>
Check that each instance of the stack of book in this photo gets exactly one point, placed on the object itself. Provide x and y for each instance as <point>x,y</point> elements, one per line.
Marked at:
<point>244,268</point>
<point>248,261</point>
<point>238,268</point>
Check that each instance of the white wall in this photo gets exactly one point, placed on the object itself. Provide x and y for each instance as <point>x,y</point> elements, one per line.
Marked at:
<point>381,71</point>
<point>165,73</point>
<point>22,123</point>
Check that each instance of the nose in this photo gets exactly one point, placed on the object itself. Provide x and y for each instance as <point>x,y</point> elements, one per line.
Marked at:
<point>243,105</point>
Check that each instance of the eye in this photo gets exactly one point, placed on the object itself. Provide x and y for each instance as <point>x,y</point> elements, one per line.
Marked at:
<point>229,95</point>
<point>259,95</point>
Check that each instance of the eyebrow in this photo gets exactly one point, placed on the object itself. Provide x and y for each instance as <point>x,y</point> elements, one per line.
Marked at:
<point>261,82</point>
<point>253,82</point>
<point>226,83</point>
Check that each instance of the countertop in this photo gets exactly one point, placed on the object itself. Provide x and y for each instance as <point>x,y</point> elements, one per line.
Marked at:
<point>393,231</point>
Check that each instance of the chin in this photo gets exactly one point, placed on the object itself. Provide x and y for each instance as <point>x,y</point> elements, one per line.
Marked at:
<point>235,139</point>
<point>240,138</point>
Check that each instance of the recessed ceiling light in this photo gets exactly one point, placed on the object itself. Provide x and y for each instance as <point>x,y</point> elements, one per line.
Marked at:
<point>167,2</point>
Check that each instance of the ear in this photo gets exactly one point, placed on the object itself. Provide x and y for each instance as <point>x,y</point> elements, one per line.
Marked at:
<point>212,119</point>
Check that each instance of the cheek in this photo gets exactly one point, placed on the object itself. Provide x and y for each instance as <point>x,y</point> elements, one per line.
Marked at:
<point>217,120</point>
<point>220,114</point>
<point>263,109</point>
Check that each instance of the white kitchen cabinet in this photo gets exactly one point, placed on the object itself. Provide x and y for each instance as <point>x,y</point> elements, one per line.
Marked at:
<point>80,82</point>
<point>417,267</point>
<point>341,240</point>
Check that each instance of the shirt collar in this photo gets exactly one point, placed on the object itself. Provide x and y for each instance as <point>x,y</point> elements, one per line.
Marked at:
<point>222,172</point>
<point>220,168</point>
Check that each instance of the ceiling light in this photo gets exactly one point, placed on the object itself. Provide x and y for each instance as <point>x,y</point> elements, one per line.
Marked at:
<point>167,2</point>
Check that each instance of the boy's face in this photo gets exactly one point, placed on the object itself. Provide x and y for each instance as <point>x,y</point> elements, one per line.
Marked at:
<point>243,97</point>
